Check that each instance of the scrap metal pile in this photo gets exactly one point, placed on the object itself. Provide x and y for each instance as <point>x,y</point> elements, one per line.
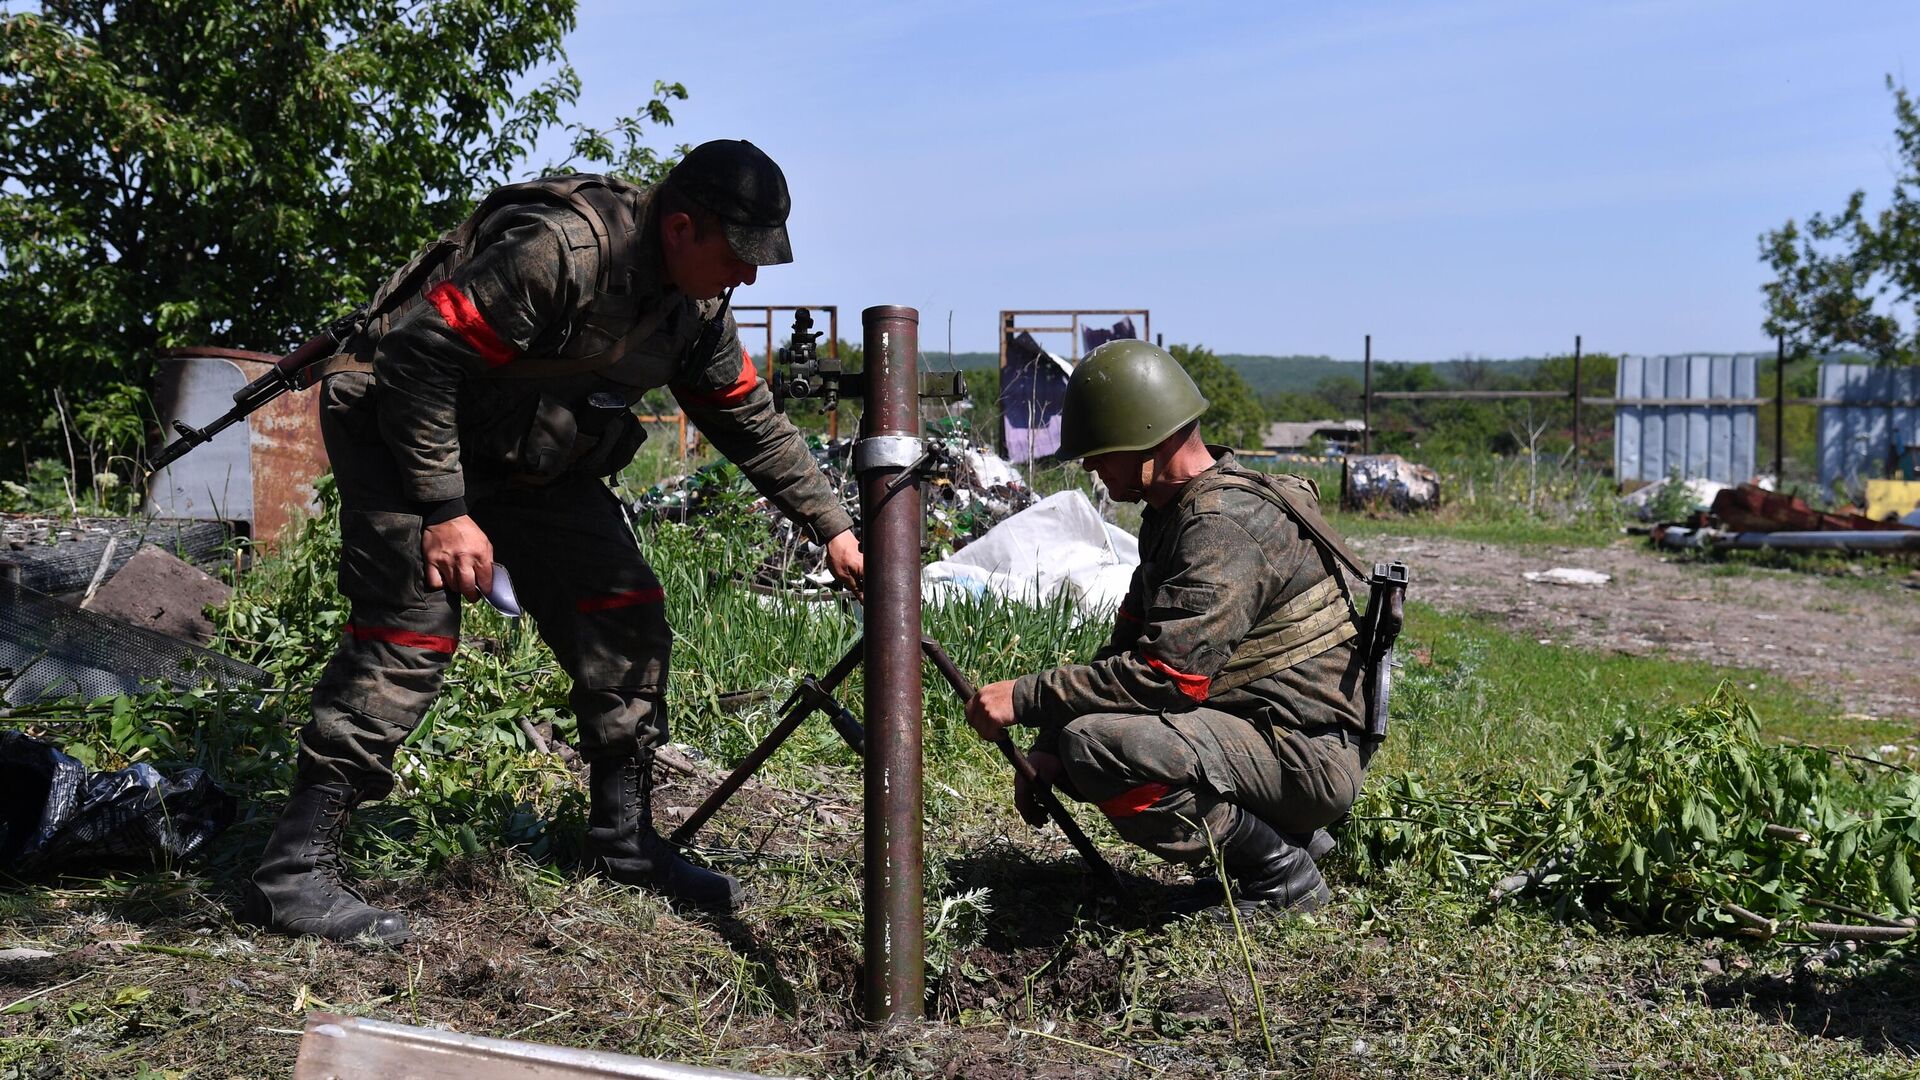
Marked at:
<point>1750,517</point>
<point>971,489</point>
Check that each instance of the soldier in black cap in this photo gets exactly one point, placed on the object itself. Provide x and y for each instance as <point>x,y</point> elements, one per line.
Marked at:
<point>471,424</point>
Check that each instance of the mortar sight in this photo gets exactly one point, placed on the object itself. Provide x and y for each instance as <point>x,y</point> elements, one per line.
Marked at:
<point>801,372</point>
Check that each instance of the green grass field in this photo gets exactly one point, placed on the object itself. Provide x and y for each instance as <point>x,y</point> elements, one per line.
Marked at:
<point>1031,973</point>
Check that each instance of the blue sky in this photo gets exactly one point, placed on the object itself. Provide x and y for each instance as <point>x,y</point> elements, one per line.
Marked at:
<point>1473,178</point>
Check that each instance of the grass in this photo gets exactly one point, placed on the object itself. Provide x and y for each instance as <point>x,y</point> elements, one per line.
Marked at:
<point>1474,696</point>
<point>1031,973</point>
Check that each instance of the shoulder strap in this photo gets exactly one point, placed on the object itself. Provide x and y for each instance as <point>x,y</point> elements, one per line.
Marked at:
<point>1304,512</point>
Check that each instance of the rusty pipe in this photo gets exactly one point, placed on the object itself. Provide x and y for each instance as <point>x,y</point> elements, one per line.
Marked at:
<point>895,932</point>
<point>1043,792</point>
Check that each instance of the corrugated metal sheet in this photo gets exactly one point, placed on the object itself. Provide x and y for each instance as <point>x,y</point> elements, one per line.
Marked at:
<point>1711,442</point>
<point>261,471</point>
<point>1859,442</point>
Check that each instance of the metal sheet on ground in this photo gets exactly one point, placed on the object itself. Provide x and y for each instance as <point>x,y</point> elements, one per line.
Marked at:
<point>342,1047</point>
<point>52,650</point>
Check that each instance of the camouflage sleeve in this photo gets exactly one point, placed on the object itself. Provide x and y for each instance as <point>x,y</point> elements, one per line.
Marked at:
<point>1127,620</point>
<point>1196,617</point>
<point>726,399</point>
<point>530,278</point>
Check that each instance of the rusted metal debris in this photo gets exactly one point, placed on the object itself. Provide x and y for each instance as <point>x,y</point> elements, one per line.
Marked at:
<point>1751,509</point>
<point>1751,518</point>
<point>260,472</point>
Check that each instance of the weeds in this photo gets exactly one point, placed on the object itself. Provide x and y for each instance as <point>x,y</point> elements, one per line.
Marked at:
<point>1406,974</point>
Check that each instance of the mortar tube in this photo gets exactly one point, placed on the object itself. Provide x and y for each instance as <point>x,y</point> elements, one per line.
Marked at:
<point>895,931</point>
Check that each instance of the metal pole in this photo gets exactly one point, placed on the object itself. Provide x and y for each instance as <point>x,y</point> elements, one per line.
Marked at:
<point>1780,413</point>
<point>1576,404</point>
<point>895,977</point>
<point>999,391</point>
<point>1366,402</point>
<point>833,350</point>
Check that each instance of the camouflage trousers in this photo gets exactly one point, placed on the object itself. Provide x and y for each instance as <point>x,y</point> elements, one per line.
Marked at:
<point>1169,781</point>
<point>576,569</point>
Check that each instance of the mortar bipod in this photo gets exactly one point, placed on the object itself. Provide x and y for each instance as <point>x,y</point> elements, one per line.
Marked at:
<point>1043,792</point>
<point>809,695</point>
<point>817,694</point>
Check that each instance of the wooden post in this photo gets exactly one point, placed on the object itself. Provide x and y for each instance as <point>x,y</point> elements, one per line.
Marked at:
<point>1576,405</point>
<point>1366,401</point>
<point>1780,413</point>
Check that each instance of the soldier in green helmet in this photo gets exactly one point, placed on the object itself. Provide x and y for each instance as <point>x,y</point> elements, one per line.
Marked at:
<point>1225,712</point>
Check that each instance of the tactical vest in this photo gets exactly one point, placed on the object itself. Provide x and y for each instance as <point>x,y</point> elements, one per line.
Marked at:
<point>1316,620</point>
<point>545,416</point>
<point>614,323</point>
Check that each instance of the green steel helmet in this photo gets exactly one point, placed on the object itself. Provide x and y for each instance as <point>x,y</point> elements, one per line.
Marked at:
<point>1126,395</point>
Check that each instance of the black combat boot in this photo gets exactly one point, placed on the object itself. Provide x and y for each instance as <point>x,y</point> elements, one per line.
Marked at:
<point>1318,843</point>
<point>1271,873</point>
<point>622,844</point>
<point>297,887</point>
<point>1206,891</point>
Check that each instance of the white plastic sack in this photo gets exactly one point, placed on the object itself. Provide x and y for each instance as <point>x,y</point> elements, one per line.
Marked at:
<point>1058,544</point>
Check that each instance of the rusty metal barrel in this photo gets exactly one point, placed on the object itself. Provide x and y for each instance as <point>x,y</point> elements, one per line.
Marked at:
<point>889,447</point>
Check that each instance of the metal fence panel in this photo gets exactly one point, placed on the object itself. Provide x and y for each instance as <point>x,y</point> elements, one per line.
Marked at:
<point>1858,442</point>
<point>1713,442</point>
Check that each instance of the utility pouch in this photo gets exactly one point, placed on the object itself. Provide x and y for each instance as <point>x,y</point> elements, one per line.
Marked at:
<point>549,445</point>
<point>614,447</point>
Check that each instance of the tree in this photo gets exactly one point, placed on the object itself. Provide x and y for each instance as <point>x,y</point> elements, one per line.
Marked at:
<point>1850,280</point>
<point>221,172</point>
<point>1234,415</point>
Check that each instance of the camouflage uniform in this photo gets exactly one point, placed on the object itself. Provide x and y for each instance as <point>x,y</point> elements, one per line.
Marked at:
<point>455,406</point>
<point>1156,733</point>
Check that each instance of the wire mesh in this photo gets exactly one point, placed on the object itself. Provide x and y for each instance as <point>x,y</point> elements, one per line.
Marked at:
<point>49,650</point>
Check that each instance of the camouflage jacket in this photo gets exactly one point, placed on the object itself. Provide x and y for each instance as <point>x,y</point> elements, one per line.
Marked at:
<point>463,403</point>
<point>1214,562</point>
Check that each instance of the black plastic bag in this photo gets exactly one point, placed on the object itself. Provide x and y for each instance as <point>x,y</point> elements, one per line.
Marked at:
<point>55,815</point>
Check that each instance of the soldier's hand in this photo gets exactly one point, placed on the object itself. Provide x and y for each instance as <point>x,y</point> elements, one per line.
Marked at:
<point>990,713</point>
<point>1025,798</point>
<point>459,557</point>
<point>846,563</point>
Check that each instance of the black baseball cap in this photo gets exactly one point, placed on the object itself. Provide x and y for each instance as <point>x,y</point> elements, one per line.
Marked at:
<point>742,187</point>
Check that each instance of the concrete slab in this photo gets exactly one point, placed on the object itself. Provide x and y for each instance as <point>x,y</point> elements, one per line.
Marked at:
<point>157,591</point>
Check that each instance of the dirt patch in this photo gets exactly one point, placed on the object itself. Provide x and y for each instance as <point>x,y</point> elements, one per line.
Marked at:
<point>1856,646</point>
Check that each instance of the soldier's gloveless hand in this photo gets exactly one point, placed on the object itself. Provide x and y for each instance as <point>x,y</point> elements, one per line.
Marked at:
<point>847,563</point>
<point>459,557</point>
<point>990,713</point>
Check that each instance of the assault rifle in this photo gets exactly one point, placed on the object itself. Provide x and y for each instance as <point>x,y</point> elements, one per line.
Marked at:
<point>290,372</point>
<point>1386,613</point>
